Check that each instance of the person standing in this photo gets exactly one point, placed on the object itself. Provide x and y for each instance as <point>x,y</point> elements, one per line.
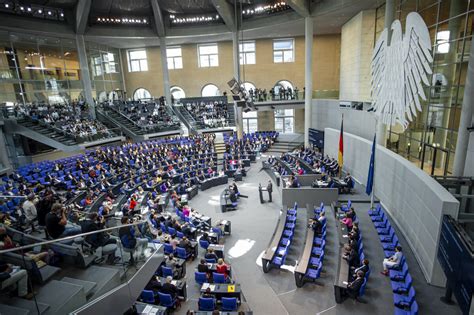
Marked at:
<point>270,190</point>
<point>29,210</point>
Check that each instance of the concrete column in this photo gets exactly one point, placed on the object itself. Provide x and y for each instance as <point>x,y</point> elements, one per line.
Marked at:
<point>3,151</point>
<point>466,118</point>
<point>164,70</point>
<point>389,17</point>
<point>239,122</point>
<point>308,76</point>
<point>85,74</point>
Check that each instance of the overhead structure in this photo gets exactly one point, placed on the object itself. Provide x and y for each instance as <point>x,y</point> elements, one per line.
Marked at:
<point>226,11</point>
<point>158,18</point>
<point>300,6</point>
<point>83,8</point>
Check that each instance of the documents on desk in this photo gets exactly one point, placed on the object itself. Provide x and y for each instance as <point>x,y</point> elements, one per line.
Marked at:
<point>205,286</point>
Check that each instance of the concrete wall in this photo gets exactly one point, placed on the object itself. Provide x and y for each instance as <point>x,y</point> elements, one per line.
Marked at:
<point>414,200</point>
<point>357,42</point>
<point>469,168</point>
<point>263,74</point>
<point>299,120</point>
<point>328,114</point>
<point>266,120</point>
<point>308,196</point>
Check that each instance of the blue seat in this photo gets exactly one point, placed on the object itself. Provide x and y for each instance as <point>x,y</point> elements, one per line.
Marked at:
<point>210,260</point>
<point>206,304</point>
<point>413,310</point>
<point>179,234</point>
<point>405,300</point>
<point>181,253</point>
<point>166,300</point>
<point>396,275</point>
<point>204,244</point>
<point>288,233</point>
<point>218,277</point>
<point>314,273</point>
<point>148,296</point>
<point>346,207</point>
<point>200,277</point>
<point>403,286</point>
<point>362,288</point>
<point>171,231</point>
<point>168,249</point>
<point>229,304</point>
<point>166,271</point>
<point>375,212</point>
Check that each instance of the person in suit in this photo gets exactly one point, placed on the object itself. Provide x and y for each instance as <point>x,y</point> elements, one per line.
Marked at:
<point>269,190</point>
<point>353,287</point>
<point>169,288</point>
<point>364,267</point>
<point>210,254</point>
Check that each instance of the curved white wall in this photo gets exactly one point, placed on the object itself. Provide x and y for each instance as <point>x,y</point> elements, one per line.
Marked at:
<point>414,200</point>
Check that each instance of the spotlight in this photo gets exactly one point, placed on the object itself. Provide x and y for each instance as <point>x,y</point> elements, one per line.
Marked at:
<point>40,11</point>
<point>7,5</point>
<point>28,9</point>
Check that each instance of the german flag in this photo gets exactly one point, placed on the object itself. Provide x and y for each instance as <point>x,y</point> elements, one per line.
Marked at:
<point>340,157</point>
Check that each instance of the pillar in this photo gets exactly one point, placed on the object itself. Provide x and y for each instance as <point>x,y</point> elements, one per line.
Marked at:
<point>308,76</point>
<point>466,118</point>
<point>389,17</point>
<point>85,74</point>
<point>236,65</point>
<point>3,151</point>
<point>164,70</point>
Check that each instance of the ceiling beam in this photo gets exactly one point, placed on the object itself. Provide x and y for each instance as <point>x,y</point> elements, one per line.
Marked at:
<point>83,8</point>
<point>226,11</point>
<point>158,18</point>
<point>300,6</point>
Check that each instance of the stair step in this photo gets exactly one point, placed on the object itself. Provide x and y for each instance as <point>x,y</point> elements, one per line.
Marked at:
<point>62,297</point>
<point>106,278</point>
<point>27,305</point>
<point>87,285</point>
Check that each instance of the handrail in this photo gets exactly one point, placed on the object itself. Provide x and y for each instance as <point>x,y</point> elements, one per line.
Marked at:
<point>68,237</point>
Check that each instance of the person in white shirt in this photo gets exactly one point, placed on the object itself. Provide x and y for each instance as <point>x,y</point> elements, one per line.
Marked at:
<point>29,210</point>
<point>392,261</point>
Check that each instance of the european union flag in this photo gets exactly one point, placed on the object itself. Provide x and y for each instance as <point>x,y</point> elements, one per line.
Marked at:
<point>370,177</point>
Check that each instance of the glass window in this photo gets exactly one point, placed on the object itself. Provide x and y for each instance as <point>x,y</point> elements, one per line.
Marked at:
<point>247,53</point>
<point>283,90</point>
<point>284,120</point>
<point>210,90</point>
<point>137,60</point>
<point>177,92</point>
<point>175,59</point>
<point>248,86</point>
<point>208,55</point>
<point>283,50</point>
<point>250,121</point>
<point>141,93</point>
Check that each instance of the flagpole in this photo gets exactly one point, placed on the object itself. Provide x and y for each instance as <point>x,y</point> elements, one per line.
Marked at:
<point>372,194</point>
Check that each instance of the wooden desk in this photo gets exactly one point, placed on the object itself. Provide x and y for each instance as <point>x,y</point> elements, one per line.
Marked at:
<point>274,242</point>
<point>220,290</point>
<point>342,268</point>
<point>218,250</point>
<point>303,261</point>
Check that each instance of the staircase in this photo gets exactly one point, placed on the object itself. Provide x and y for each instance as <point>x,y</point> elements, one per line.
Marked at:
<point>63,296</point>
<point>47,131</point>
<point>219,145</point>
<point>285,143</point>
<point>130,128</point>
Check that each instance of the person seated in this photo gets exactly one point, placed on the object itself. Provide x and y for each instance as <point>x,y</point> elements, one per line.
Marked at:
<point>364,267</point>
<point>57,225</point>
<point>353,287</point>
<point>203,267</point>
<point>169,288</point>
<point>127,235</point>
<point>186,244</point>
<point>350,254</point>
<point>208,294</point>
<point>392,261</point>
<point>211,255</point>
<point>96,223</point>
<point>315,225</point>
<point>173,263</point>
<point>14,275</point>
<point>351,213</point>
<point>222,268</point>
<point>347,221</point>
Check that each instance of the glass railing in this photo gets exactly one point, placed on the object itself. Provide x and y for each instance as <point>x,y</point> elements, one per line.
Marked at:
<point>72,273</point>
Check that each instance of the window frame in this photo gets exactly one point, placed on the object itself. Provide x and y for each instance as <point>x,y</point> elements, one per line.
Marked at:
<point>243,59</point>
<point>208,55</point>
<point>283,51</point>
<point>174,58</point>
<point>140,65</point>
<point>140,88</point>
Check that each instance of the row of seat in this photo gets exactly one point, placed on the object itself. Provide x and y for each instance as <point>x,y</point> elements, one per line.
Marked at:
<point>286,237</point>
<point>317,251</point>
<point>400,278</point>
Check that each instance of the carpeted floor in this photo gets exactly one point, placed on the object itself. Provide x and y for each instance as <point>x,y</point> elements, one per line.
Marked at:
<point>275,292</point>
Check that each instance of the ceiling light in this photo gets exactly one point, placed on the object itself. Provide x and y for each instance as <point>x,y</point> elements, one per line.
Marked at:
<point>40,11</point>
<point>28,9</point>
<point>7,5</point>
